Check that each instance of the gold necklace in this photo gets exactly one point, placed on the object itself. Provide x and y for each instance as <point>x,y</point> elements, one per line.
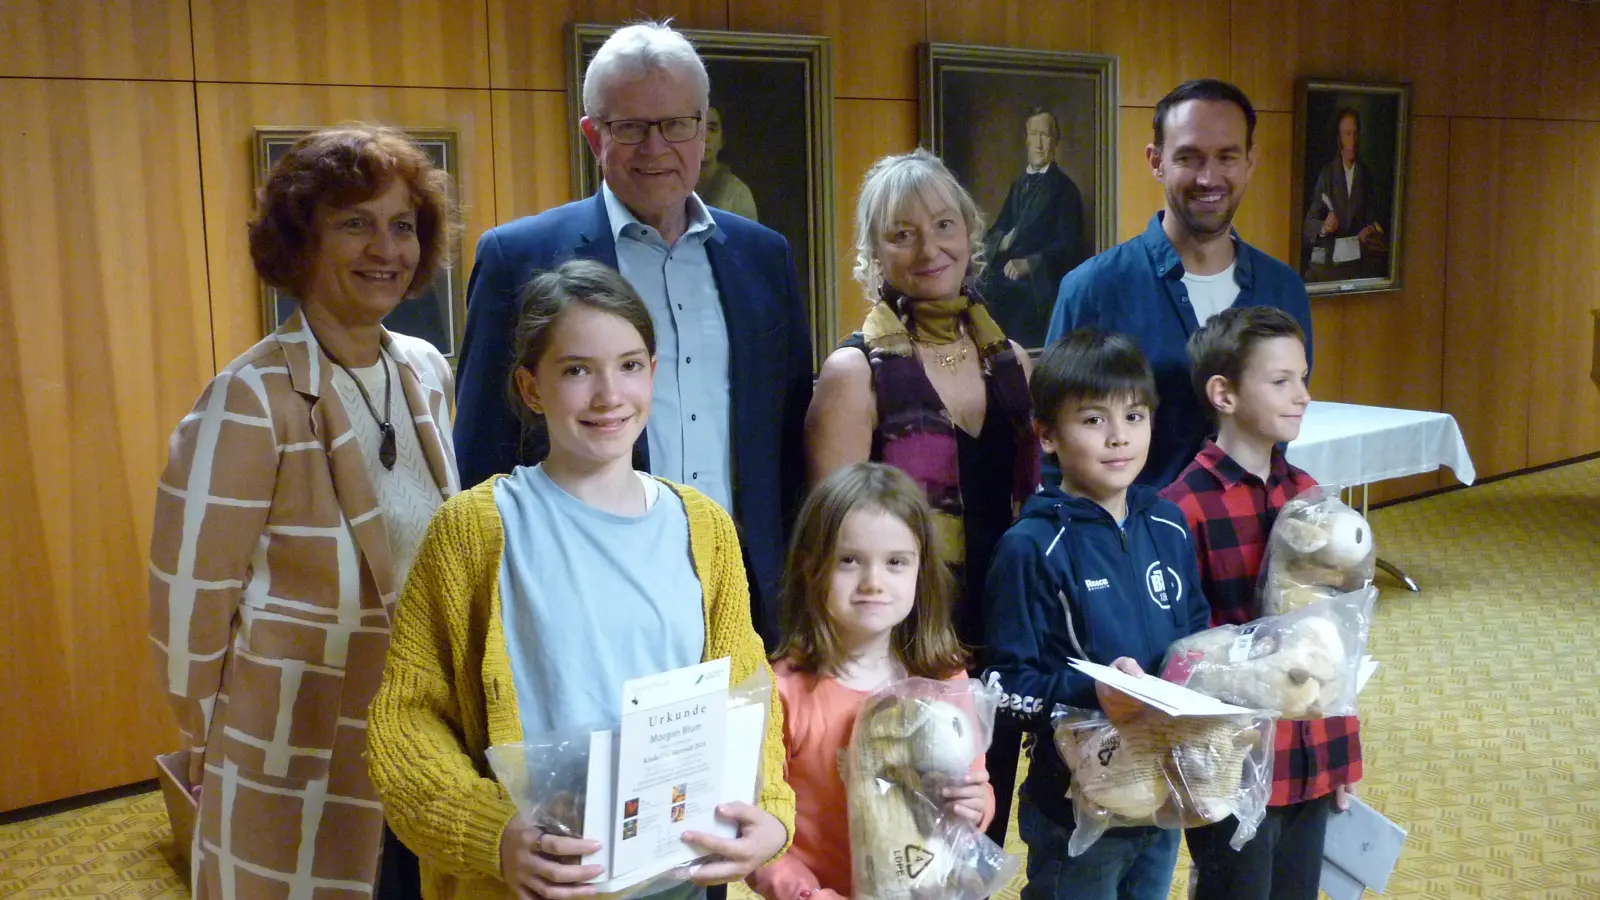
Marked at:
<point>947,360</point>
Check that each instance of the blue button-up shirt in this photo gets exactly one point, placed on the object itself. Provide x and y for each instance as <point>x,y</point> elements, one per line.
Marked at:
<point>1136,288</point>
<point>688,430</point>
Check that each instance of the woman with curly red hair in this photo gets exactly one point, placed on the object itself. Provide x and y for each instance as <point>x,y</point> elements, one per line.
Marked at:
<point>293,500</point>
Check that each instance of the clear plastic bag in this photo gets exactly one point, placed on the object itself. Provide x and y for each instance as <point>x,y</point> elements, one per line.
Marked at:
<point>911,738</point>
<point>1172,772</point>
<point>1301,664</point>
<point>1319,548</point>
<point>547,777</point>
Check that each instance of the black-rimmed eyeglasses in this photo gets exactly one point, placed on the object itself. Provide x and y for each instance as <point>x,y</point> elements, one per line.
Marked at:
<point>675,130</point>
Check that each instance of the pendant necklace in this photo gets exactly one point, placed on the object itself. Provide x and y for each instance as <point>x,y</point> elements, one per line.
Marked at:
<point>386,452</point>
<point>949,360</point>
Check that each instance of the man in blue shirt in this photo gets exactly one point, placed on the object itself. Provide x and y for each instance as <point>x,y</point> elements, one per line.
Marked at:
<point>733,375</point>
<point>1187,266</point>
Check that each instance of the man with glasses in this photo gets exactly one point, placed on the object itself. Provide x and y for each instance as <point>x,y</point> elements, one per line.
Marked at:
<point>733,338</point>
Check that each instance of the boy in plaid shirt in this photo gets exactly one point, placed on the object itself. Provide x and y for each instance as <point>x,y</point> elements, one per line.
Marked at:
<point>1249,366</point>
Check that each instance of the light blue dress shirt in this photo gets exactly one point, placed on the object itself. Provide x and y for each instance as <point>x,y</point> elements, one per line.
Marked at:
<point>689,428</point>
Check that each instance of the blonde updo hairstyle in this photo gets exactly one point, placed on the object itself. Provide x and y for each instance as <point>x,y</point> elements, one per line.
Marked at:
<point>888,188</point>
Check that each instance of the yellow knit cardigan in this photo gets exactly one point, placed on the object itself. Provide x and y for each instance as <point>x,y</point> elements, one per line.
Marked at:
<point>447,691</point>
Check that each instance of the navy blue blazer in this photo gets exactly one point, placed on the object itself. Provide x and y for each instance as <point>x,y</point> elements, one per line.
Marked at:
<point>769,368</point>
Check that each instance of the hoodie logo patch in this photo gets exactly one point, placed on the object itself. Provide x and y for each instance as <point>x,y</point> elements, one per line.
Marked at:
<point>1096,584</point>
<point>1164,585</point>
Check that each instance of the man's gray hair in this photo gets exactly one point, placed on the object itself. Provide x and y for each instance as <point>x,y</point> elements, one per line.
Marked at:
<point>887,188</point>
<point>639,49</point>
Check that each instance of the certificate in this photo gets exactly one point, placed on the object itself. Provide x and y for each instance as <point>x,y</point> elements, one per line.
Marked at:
<point>669,757</point>
<point>682,748</point>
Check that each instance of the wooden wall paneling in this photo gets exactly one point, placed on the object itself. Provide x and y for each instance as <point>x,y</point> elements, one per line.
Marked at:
<point>1263,220</point>
<point>1569,80</point>
<point>414,43</point>
<point>1563,403</point>
<point>1495,57</point>
<point>1276,42</point>
<point>1162,43</point>
<point>532,161</point>
<point>1065,25</point>
<point>1139,194</point>
<point>1429,25</point>
<point>527,38</point>
<point>146,39</point>
<point>1264,51</point>
<point>1489,264</point>
<point>228,115</point>
<point>874,41</point>
<point>1395,339</point>
<point>1363,40</point>
<point>1327,343</point>
<point>107,344</point>
<point>1264,215</point>
<point>863,132</point>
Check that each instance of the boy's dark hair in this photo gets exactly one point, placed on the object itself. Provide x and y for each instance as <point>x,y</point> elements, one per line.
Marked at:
<point>1223,345</point>
<point>1090,364</point>
<point>1205,89</point>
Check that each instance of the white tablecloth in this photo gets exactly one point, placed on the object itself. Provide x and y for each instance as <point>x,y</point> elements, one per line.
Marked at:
<point>1347,445</point>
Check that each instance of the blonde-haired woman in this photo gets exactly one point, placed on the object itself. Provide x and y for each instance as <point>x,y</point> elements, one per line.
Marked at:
<point>930,384</point>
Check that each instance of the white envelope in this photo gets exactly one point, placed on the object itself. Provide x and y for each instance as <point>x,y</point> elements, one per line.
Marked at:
<point>1172,699</point>
<point>1359,852</point>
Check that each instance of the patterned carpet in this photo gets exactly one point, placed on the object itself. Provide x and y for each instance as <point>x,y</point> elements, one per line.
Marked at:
<point>1482,728</point>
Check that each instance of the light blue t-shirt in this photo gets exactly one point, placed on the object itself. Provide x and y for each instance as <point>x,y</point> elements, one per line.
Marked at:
<point>589,599</point>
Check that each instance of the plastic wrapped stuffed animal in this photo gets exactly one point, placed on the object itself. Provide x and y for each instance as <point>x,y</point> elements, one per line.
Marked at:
<point>1168,771</point>
<point>908,739</point>
<point>1319,548</point>
<point>1121,774</point>
<point>1299,665</point>
<point>1207,762</point>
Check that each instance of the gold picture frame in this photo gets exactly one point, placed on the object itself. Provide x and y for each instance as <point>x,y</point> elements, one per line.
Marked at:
<point>1350,257</point>
<point>978,104</point>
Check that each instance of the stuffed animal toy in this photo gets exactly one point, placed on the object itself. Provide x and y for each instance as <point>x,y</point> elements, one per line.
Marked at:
<point>1297,665</point>
<point>1206,761</point>
<point>904,848</point>
<point>1120,773</point>
<point>1168,771</point>
<point>1319,548</point>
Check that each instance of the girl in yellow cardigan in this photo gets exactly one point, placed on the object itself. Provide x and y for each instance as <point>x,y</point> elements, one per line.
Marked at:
<point>536,594</point>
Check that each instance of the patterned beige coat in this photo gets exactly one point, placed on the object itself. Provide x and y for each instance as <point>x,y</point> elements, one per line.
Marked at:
<point>271,594</point>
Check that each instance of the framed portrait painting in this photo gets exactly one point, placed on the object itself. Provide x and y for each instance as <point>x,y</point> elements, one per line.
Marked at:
<point>438,314</point>
<point>769,145</point>
<point>1033,135</point>
<point>1349,189</point>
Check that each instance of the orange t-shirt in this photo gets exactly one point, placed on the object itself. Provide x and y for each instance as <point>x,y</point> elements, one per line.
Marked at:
<point>819,714</point>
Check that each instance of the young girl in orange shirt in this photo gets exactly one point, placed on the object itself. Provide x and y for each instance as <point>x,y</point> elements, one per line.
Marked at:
<point>866,602</point>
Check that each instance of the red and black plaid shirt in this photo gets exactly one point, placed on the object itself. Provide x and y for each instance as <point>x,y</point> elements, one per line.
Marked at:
<point>1230,513</point>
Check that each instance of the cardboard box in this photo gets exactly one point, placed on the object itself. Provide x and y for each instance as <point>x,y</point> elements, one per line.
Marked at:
<point>182,809</point>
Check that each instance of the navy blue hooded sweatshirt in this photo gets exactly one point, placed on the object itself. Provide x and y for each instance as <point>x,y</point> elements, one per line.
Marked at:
<point>1067,582</point>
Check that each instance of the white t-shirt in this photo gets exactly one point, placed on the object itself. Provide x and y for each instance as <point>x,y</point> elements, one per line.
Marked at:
<point>1211,294</point>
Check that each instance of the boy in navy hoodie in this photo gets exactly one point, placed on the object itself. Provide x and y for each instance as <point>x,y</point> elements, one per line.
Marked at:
<point>1098,568</point>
